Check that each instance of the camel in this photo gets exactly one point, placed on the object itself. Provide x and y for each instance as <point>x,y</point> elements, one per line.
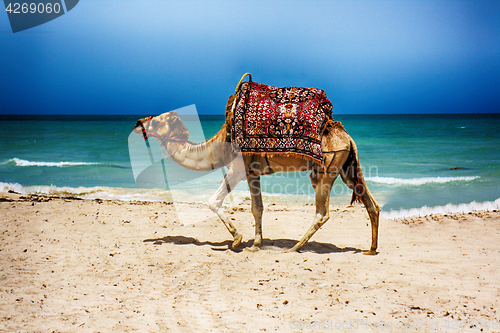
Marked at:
<point>340,157</point>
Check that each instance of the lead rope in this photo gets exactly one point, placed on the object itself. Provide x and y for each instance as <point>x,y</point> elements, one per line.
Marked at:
<point>145,136</point>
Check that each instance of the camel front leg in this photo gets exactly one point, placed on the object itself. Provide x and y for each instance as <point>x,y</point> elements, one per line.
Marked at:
<point>257,209</point>
<point>322,185</point>
<point>215,202</point>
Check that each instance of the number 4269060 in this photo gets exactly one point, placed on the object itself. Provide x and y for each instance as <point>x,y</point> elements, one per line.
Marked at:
<point>24,8</point>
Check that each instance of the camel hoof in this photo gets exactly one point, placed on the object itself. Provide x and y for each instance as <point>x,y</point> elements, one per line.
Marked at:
<point>237,240</point>
<point>370,253</point>
<point>253,248</point>
<point>292,250</point>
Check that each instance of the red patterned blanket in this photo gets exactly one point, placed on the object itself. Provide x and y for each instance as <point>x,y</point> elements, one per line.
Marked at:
<point>280,121</point>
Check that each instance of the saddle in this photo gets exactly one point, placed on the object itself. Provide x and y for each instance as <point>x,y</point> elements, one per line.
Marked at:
<point>285,121</point>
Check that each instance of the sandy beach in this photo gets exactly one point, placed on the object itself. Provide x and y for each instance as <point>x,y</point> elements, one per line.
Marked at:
<point>71,265</point>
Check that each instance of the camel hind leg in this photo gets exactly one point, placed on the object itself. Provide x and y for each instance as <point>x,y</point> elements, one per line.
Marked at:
<point>257,209</point>
<point>373,210</point>
<point>353,177</point>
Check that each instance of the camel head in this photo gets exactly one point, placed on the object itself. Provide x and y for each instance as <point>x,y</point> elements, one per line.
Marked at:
<point>165,126</point>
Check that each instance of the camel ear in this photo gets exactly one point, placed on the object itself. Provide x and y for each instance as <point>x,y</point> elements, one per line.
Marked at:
<point>139,124</point>
<point>179,130</point>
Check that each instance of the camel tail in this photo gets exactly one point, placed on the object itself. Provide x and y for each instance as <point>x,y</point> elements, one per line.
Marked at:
<point>353,171</point>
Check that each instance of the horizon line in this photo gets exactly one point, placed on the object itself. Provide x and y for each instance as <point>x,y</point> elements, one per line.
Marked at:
<point>222,115</point>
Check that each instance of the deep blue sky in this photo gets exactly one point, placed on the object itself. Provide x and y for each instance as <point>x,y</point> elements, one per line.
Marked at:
<point>149,57</point>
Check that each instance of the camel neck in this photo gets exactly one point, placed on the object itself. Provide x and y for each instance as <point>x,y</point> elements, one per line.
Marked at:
<point>205,156</point>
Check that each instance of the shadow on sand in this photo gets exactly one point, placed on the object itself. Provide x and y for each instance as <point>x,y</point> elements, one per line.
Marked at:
<point>277,245</point>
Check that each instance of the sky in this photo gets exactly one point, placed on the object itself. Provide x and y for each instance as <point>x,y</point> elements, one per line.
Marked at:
<point>149,57</point>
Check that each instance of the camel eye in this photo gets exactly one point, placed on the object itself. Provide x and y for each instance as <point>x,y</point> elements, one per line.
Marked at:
<point>154,123</point>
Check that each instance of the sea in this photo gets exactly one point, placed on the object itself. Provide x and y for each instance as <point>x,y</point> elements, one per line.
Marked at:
<point>414,164</point>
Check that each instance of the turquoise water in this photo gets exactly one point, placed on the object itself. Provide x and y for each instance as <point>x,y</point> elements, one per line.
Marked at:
<point>434,159</point>
<point>410,161</point>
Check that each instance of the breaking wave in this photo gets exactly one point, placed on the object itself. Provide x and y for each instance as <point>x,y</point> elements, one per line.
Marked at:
<point>141,194</point>
<point>419,181</point>
<point>447,209</point>
<point>25,163</point>
<point>98,192</point>
<point>237,196</point>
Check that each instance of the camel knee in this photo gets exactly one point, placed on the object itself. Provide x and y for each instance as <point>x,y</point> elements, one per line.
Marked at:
<point>375,209</point>
<point>321,219</point>
<point>370,203</point>
<point>214,204</point>
<point>325,219</point>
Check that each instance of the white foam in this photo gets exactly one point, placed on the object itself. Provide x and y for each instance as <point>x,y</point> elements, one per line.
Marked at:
<point>98,192</point>
<point>26,163</point>
<point>448,209</point>
<point>419,181</point>
<point>5,187</point>
<point>237,196</point>
<point>131,194</point>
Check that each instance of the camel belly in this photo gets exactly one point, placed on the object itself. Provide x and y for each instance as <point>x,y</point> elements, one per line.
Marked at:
<point>259,164</point>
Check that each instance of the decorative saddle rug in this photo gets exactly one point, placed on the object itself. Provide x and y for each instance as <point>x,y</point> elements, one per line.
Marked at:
<point>280,121</point>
